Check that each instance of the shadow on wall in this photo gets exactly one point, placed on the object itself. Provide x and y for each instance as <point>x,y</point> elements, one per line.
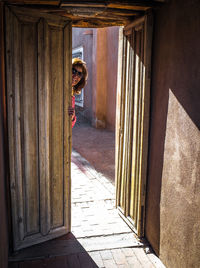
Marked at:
<point>174,154</point>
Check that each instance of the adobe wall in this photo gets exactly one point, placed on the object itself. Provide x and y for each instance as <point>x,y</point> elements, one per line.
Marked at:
<point>112,48</point>
<point>99,78</point>
<point>84,37</point>
<point>173,210</point>
<point>105,77</point>
<point>101,55</point>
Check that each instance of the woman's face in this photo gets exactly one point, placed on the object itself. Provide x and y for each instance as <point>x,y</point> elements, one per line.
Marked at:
<point>76,75</point>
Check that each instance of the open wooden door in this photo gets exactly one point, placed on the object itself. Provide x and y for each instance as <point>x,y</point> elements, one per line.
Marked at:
<point>38,65</point>
<point>133,98</point>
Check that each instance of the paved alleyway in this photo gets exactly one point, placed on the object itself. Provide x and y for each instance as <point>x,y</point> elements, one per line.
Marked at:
<point>97,225</point>
<point>99,238</point>
<point>97,146</point>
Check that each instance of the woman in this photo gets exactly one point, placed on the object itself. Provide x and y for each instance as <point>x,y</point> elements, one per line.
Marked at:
<point>79,79</point>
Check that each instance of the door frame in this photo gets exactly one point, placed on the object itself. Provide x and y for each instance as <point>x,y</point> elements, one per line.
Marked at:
<point>138,158</point>
<point>3,110</point>
<point>3,96</point>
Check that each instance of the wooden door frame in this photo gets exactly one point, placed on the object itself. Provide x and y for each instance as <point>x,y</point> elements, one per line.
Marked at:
<point>147,20</point>
<point>4,108</point>
<point>4,126</point>
<point>3,191</point>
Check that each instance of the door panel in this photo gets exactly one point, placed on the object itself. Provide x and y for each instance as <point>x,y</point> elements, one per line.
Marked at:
<point>38,63</point>
<point>132,120</point>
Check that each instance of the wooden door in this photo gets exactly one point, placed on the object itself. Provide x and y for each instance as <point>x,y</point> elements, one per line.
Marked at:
<point>38,63</point>
<point>133,97</point>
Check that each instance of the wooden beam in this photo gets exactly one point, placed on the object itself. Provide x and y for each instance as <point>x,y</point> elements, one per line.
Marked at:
<point>145,3</point>
<point>33,2</point>
<point>77,12</point>
<point>117,4</point>
<point>109,3</point>
<point>88,13</point>
<point>100,10</point>
<point>125,12</point>
<point>84,3</point>
<point>96,23</point>
<point>99,13</point>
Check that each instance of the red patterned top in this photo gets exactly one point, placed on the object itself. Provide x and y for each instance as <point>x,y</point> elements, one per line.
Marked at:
<point>73,116</point>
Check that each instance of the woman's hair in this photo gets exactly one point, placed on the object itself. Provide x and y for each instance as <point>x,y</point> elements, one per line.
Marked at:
<point>80,63</point>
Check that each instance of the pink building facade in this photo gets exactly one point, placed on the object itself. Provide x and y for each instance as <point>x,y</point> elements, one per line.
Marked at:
<point>99,49</point>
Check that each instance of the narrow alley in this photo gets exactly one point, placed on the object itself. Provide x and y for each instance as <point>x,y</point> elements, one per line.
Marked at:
<point>97,225</point>
<point>99,237</point>
<point>95,220</point>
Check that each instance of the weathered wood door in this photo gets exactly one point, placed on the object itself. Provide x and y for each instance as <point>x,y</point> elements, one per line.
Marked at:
<point>132,121</point>
<point>38,64</point>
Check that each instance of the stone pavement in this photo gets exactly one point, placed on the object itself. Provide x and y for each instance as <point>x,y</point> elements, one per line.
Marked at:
<point>97,225</point>
<point>97,146</point>
<point>99,238</point>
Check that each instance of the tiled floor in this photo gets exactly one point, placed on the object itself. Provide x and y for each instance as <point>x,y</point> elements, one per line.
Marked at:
<point>97,225</point>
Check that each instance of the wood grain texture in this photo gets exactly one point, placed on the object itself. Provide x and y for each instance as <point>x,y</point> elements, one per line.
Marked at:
<point>122,101</point>
<point>56,127</point>
<point>29,128</point>
<point>34,2</point>
<point>67,61</point>
<point>118,110</point>
<point>4,204</point>
<point>132,147</point>
<point>36,118</point>
<point>86,13</point>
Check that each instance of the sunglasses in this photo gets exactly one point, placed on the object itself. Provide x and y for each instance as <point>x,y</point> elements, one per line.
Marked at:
<point>75,72</point>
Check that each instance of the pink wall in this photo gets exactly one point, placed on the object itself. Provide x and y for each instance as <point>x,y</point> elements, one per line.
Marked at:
<point>84,37</point>
<point>101,55</point>
<point>99,78</point>
<point>112,52</point>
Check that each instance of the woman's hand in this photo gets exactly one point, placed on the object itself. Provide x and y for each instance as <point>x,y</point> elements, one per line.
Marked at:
<point>71,111</point>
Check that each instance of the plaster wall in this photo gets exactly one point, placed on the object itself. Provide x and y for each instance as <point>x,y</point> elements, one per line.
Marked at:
<point>173,190</point>
<point>84,37</point>
<point>106,77</point>
<point>112,50</point>
<point>101,79</point>
<point>101,55</point>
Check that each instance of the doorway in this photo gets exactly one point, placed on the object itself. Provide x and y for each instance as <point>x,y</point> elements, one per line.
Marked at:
<point>40,33</point>
<point>133,97</point>
<point>59,255</point>
<point>94,218</point>
<point>133,89</point>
